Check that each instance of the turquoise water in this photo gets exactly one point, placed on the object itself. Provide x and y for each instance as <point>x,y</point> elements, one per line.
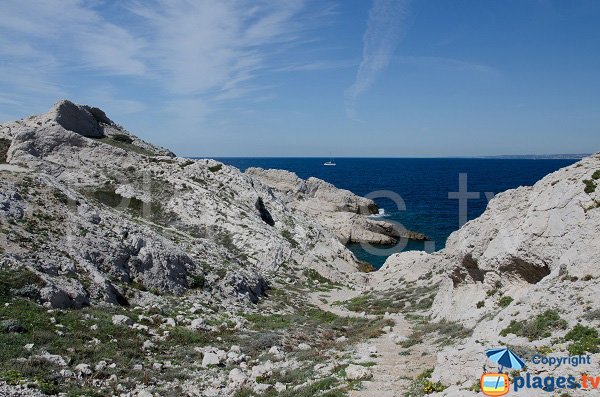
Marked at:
<point>423,184</point>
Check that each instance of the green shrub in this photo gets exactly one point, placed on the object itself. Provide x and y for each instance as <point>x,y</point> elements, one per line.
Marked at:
<point>585,339</point>
<point>215,168</point>
<point>422,385</point>
<point>480,304</point>
<point>590,186</point>
<point>505,301</point>
<point>12,377</point>
<point>122,138</point>
<point>596,174</point>
<point>130,147</point>
<point>197,281</point>
<point>288,236</point>
<point>537,328</point>
<point>11,281</point>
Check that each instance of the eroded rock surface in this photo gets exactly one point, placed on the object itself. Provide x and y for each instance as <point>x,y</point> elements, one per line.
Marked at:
<point>339,210</point>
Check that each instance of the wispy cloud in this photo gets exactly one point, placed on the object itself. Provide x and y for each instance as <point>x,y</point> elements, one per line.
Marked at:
<point>191,52</point>
<point>449,63</point>
<point>317,66</point>
<point>385,26</point>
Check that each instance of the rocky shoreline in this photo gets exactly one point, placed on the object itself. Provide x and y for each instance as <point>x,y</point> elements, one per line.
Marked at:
<point>347,214</point>
<point>128,271</point>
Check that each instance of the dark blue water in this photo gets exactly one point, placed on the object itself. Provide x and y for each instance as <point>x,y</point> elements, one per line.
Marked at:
<point>423,184</point>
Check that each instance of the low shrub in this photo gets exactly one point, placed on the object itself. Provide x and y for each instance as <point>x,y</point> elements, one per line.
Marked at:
<point>590,186</point>
<point>584,339</point>
<point>215,168</point>
<point>537,328</point>
<point>422,385</point>
<point>505,301</point>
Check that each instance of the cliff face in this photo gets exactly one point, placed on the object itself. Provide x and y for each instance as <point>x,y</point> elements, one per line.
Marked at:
<point>534,251</point>
<point>339,210</point>
<point>126,213</point>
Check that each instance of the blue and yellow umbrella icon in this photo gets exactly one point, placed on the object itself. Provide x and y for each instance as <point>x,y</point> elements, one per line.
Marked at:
<point>505,358</point>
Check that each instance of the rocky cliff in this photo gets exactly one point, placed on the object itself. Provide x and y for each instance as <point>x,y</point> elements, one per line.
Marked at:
<point>339,210</point>
<point>125,212</point>
<point>523,274</point>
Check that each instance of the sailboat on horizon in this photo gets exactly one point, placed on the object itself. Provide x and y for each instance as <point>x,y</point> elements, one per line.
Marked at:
<point>330,163</point>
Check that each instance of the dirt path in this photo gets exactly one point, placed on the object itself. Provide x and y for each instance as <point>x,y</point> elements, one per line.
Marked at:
<point>395,366</point>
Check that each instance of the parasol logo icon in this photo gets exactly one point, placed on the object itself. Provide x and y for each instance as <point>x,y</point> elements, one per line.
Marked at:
<point>498,384</point>
<point>493,384</point>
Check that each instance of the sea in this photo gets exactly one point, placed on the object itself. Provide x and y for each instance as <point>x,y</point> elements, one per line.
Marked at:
<point>419,193</point>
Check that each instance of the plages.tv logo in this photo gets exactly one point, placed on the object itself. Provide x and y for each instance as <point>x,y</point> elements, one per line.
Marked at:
<point>498,383</point>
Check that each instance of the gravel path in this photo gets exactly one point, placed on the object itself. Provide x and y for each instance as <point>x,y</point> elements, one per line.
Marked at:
<point>394,369</point>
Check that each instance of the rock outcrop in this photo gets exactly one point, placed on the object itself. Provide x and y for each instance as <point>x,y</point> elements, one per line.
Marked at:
<point>339,210</point>
<point>535,249</point>
<point>129,215</point>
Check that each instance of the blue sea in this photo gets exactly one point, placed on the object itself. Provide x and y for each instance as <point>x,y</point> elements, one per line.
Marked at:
<point>423,184</point>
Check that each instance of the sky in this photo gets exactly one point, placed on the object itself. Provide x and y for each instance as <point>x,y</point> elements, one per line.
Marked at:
<point>266,78</point>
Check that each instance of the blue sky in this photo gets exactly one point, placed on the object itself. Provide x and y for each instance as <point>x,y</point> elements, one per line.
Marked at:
<point>389,78</point>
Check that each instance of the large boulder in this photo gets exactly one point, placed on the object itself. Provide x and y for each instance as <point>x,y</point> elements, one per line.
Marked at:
<point>78,119</point>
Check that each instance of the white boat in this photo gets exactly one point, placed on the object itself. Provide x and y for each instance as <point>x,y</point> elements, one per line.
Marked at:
<point>329,163</point>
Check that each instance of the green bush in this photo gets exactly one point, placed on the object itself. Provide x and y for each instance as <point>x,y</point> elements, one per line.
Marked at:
<point>585,339</point>
<point>590,186</point>
<point>505,301</point>
<point>596,174</point>
<point>122,138</point>
<point>537,328</point>
<point>215,168</point>
<point>288,236</point>
<point>480,304</point>
<point>422,385</point>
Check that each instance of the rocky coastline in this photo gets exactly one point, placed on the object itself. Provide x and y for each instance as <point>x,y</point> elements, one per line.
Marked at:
<point>128,271</point>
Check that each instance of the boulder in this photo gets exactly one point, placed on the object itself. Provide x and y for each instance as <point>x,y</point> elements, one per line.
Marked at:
<point>358,372</point>
<point>210,358</point>
<point>77,119</point>
<point>119,319</point>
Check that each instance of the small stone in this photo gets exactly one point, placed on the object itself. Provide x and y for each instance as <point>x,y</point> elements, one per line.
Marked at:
<point>237,377</point>
<point>358,372</point>
<point>140,327</point>
<point>147,345</point>
<point>100,366</point>
<point>29,346</point>
<point>260,388</point>
<point>304,346</point>
<point>120,319</point>
<point>83,369</point>
<point>54,359</point>
<point>65,373</point>
<point>210,358</point>
<point>280,387</point>
<point>11,326</point>
<point>197,324</point>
